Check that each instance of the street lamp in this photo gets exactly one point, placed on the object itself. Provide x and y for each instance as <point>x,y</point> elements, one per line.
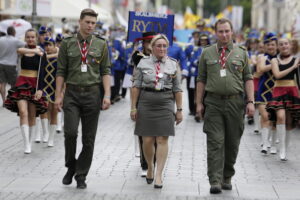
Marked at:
<point>34,14</point>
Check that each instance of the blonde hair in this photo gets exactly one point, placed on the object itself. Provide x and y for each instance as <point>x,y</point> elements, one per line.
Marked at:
<point>158,37</point>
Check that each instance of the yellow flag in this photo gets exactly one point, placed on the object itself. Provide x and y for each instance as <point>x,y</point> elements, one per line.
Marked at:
<point>190,20</point>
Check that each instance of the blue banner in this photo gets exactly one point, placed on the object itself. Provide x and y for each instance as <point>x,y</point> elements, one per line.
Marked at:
<point>141,22</point>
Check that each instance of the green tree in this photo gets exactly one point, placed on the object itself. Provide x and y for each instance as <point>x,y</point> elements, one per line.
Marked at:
<point>211,7</point>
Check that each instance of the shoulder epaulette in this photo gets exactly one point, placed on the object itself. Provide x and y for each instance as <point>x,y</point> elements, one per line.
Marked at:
<point>98,36</point>
<point>145,57</point>
<point>141,54</point>
<point>68,36</point>
<point>206,46</point>
<point>242,47</point>
<point>173,59</point>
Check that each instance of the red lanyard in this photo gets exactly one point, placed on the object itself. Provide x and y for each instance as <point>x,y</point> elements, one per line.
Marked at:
<point>84,50</point>
<point>223,58</point>
<point>157,71</point>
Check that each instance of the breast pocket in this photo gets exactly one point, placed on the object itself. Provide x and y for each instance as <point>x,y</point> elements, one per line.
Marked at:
<point>237,66</point>
<point>169,75</point>
<point>213,66</point>
<point>94,56</point>
<point>148,75</point>
<point>73,57</point>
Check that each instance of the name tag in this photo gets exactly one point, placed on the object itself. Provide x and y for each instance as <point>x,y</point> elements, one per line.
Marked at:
<point>83,67</point>
<point>160,75</point>
<point>158,86</point>
<point>223,72</point>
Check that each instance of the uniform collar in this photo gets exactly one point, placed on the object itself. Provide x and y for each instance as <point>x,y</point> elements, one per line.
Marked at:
<point>80,38</point>
<point>163,60</point>
<point>229,46</point>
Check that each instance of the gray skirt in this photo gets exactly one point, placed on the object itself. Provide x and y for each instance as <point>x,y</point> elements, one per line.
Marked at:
<point>155,114</point>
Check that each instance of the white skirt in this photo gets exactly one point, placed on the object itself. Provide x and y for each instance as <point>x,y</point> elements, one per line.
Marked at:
<point>127,82</point>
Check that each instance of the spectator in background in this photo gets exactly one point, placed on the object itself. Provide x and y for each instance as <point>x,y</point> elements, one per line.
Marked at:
<point>295,48</point>
<point>8,59</point>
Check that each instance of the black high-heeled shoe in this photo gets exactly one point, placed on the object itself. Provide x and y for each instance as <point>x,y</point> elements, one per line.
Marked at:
<point>149,180</point>
<point>158,186</point>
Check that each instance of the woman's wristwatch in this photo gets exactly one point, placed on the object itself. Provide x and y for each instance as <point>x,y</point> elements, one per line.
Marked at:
<point>179,109</point>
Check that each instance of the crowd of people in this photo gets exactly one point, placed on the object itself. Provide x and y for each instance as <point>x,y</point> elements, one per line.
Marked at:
<point>77,75</point>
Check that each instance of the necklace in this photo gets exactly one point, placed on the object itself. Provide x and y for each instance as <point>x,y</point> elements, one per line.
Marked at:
<point>282,57</point>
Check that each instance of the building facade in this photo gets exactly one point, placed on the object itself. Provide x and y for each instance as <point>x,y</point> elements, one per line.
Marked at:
<point>274,15</point>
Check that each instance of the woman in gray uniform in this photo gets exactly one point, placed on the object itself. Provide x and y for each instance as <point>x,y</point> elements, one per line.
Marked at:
<point>157,88</point>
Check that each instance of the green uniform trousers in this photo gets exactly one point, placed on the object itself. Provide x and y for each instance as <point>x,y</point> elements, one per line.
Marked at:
<point>80,103</point>
<point>224,126</point>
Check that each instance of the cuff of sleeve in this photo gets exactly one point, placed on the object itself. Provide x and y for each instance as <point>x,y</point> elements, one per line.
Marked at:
<point>184,72</point>
<point>248,78</point>
<point>177,90</point>
<point>60,74</point>
<point>201,79</point>
<point>137,85</point>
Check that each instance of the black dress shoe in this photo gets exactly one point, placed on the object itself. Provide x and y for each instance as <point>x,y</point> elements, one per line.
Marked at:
<point>215,189</point>
<point>67,180</point>
<point>81,184</point>
<point>226,186</point>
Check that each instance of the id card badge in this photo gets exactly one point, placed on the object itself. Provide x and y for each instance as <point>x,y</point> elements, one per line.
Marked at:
<point>158,86</point>
<point>83,67</point>
<point>223,72</point>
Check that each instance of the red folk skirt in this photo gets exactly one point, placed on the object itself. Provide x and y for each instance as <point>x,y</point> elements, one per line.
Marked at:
<point>25,89</point>
<point>284,96</point>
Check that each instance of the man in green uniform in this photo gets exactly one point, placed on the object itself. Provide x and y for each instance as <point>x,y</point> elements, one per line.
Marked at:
<point>224,75</point>
<point>83,62</point>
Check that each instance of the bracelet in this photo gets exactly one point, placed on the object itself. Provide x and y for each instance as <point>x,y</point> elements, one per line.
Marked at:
<point>106,97</point>
<point>133,110</point>
<point>250,102</point>
<point>179,109</point>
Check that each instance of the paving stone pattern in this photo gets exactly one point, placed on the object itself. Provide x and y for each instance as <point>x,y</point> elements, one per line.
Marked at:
<point>115,171</point>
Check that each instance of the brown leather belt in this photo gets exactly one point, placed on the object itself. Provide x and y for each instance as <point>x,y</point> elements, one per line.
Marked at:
<point>83,88</point>
<point>233,96</point>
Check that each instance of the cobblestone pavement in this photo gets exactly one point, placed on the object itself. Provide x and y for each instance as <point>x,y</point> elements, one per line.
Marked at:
<point>115,171</point>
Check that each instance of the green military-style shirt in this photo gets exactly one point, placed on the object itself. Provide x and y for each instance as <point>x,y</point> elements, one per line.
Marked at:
<point>237,70</point>
<point>69,60</point>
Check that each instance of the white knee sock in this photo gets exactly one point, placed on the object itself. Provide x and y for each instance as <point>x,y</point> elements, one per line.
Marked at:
<point>264,137</point>
<point>45,130</point>
<point>281,131</point>
<point>37,130</point>
<point>25,134</point>
<point>51,135</point>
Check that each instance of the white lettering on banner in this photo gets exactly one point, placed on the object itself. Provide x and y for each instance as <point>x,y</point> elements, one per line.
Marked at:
<point>149,14</point>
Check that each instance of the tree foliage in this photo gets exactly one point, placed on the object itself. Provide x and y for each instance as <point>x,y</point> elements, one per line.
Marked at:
<point>211,7</point>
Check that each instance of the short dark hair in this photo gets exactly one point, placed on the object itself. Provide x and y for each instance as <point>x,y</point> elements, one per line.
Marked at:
<point>88,12</point>
<point>223,21</point>
<point>11,31</point>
